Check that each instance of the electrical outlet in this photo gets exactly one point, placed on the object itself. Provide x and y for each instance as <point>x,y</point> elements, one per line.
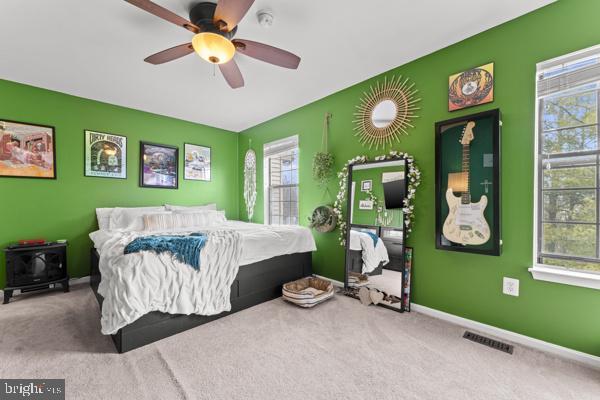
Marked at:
<point>510,286</point>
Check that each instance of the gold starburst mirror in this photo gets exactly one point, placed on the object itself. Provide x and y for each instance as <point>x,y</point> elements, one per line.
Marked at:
<point>386,112</point>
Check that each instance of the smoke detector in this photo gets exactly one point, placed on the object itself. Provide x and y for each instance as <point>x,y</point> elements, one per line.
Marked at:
<point>265,18</point>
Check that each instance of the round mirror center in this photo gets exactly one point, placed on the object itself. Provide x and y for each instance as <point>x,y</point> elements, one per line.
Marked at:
<point>384,113</point>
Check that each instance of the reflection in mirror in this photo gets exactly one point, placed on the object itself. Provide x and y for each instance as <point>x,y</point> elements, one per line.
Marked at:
<point>375,243</point>
<point>384,113</point>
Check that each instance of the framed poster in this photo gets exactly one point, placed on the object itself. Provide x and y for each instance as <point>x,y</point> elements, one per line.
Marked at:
<point>471,88</point>
<point>365,205</point>
<point>365,186</point>
<point>27,150</point>
<point>196,160</point>
<point>158,166</point>
<point>468,183</point>
<point>105,155</point>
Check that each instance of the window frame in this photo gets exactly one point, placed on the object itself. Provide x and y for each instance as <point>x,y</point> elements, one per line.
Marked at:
<point>267,176</point>
<point>553,273</point>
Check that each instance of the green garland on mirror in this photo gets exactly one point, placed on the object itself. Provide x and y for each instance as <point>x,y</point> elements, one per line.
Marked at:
<point>414,180</point>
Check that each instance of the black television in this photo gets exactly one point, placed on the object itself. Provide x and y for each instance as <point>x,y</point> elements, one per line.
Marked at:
<point>394,189</point>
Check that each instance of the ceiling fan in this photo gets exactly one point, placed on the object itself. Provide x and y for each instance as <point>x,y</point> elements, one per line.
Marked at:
<point>214,26</point>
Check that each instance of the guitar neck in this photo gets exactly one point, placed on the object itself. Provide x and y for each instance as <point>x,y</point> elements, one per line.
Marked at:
<point>466,196</point>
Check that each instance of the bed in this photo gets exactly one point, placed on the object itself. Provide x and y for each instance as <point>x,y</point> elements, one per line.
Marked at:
<point>145,297</point>
<point>367,253</point>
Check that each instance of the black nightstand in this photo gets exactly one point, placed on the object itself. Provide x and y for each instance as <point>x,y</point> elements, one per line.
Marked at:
<point>31,268</point>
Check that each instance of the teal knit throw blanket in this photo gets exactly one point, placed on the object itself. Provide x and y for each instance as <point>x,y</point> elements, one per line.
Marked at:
<point>186,249</point>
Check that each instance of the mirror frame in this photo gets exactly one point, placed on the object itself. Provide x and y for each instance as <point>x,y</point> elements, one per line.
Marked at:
<point>402,94</point>
<point>349,225</point>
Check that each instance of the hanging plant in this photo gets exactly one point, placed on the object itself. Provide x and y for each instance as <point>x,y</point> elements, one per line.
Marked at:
<point>323,160</point>
<point>414,180</point>
<point>323,168</point>
<point>323,219</point>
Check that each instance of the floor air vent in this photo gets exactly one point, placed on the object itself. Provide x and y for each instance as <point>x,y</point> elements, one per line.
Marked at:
<point>494,344</point>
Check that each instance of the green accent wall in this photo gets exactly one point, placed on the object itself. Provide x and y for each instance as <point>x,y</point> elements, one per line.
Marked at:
<point>65,208</point>
<point>467,285</point>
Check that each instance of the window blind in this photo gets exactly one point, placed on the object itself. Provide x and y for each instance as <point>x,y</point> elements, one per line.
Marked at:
<point>576,69</point>
<point>570,79</point>
<point>280,146</point>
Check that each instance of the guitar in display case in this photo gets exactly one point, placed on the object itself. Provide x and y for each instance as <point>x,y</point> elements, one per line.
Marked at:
<point>465,223</point>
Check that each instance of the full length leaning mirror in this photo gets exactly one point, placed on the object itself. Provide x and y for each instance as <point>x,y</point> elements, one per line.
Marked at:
<point>376,232</point>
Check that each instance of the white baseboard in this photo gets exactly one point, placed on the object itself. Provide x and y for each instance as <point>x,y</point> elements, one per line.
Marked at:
<point>335,283</point>
<point>77,281</point>
<point>517,338</point>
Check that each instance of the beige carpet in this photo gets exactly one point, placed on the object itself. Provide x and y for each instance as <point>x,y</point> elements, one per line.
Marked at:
<point>339,350</point>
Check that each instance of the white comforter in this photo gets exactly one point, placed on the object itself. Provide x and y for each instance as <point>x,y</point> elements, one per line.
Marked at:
<point>372,254</point>
<point>135,284</point>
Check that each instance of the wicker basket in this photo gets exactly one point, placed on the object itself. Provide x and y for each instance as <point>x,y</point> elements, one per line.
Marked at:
<point>308,292</point>
<point>327,227</point>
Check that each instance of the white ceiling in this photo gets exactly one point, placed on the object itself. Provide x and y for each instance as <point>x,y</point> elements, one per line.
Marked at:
<point>95,48</point>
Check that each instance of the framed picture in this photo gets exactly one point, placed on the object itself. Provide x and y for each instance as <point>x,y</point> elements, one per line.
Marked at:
<point>27,150</point>
<point>471,88</point>
<point>105,155</point>
<point>158,166</point>
<point>365,205</point>
<point>365,186</point>
<point>196,162</point>
<point>468,183</point>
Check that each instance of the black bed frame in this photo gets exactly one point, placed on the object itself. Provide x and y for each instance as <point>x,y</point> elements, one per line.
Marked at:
<point>254,284</point>
<point>354,263</point>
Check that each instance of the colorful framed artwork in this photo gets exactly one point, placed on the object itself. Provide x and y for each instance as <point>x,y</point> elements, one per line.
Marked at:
<point>471,88</point>
<point>27,150</point>
<point>196,161</point>
<point>468,184</point>
<point>407,282</point>
<point>105,155</point>
<point>159,166</point>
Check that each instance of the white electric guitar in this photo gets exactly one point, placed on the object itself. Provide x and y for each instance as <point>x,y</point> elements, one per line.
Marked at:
<point>465,223</point>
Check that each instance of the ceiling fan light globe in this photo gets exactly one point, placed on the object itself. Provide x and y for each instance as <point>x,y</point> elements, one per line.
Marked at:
<point>212,47</point>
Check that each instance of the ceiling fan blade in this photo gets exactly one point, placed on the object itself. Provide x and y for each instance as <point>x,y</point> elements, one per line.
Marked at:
<point>266,53</point>
<point>170,54</point>
<point>165,14</point>
<point>232,74</point>
<point>231,12</point>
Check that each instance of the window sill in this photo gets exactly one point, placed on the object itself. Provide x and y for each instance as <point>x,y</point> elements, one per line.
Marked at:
<point>559,275</point>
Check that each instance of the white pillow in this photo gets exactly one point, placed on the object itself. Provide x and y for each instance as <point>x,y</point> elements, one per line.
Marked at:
<point>131,219</point>
<point>211,206</point>
<point>103,217</point>
<point>183,220</point>
<point>212,216</point>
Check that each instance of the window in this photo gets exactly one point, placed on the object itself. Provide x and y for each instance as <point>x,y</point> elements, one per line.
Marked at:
<point>567,216</point>
<point>281,181</point>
